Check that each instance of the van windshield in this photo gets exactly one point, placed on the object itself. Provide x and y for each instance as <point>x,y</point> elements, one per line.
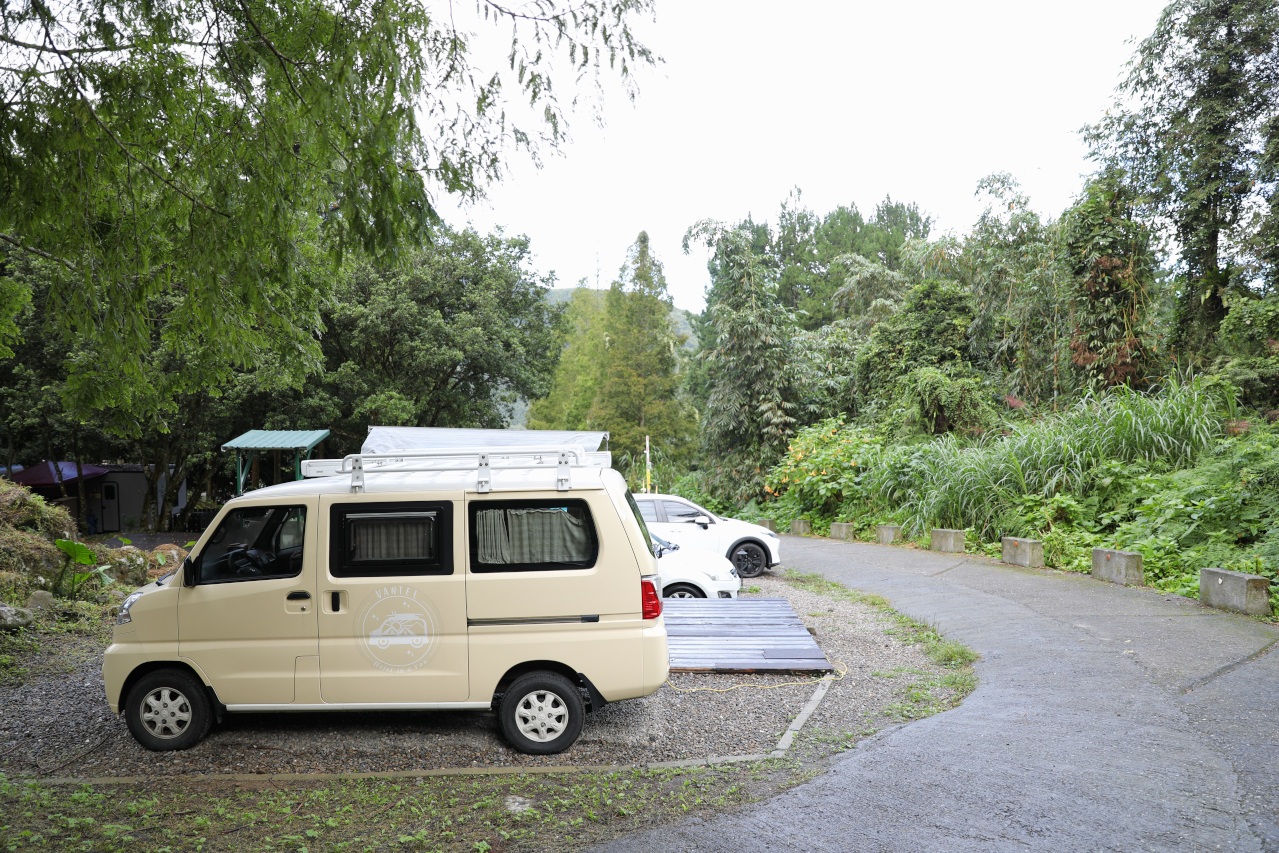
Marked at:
<point>639,519</point>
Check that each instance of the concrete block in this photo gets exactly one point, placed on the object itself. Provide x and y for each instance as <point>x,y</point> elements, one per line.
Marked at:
<point>1023,552</point>
<point>801,527</point>
<point>1122,567</point>
<point>1227,590</point>
<point>947,540</point>
<point>887,534</point>
<point>841,530</point>
<point>769,523</point>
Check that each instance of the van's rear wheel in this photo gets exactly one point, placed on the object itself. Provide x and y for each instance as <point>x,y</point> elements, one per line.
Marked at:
<point>541,713</point>
<point>682,590</point>
<point>168,709</point>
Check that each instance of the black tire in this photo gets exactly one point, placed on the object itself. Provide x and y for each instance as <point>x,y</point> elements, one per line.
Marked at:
<point>750,559</point>
<point>541,713</point>
<point>168,709</point>
<point>682,590</point>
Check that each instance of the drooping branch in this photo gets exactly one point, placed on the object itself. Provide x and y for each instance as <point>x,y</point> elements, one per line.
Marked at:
<point>18,244</point>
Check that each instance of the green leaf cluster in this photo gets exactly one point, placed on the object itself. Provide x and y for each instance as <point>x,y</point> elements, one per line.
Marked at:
<point>931,330</point>
<point>1250,351</point>
<point>185,154</point>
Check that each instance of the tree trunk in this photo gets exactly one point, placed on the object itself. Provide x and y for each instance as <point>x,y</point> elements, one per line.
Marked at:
<point>151,470</point>
<point>82,498</point>
<point>173,485</point>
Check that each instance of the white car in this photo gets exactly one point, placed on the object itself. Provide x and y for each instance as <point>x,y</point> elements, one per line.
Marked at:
<point>750,548</point>
<point>689,573</point>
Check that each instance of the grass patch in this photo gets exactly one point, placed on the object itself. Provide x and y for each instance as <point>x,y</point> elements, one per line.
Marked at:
<point>820,585</point>
<point>932,695</point>
<point>943,652</point>
<point>447,814</point>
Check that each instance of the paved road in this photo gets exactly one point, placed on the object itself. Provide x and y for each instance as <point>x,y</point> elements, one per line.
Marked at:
<point>1106,719</point>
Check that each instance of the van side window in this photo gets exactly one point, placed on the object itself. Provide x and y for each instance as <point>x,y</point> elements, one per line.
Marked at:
<point>391,539</point>
<point>255,543</point>
<point>532,536</point>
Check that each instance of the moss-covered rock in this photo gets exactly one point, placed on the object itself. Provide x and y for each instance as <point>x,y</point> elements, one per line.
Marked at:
<point>22,509</point>
<point>28,527</point>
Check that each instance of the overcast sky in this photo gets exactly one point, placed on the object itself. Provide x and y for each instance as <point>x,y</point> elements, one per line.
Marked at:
<point>848,101</point>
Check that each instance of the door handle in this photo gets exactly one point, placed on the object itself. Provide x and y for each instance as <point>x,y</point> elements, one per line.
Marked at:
<point>298,595</point>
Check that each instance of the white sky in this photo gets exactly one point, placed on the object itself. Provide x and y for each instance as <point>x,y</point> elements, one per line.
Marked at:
<point>849,101</point>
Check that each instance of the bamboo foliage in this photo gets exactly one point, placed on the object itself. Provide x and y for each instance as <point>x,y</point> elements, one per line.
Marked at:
<point>950,483</point>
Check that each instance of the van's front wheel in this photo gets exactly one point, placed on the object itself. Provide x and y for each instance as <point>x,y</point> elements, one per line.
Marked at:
<point>541,713</point>
<point>168,709</point>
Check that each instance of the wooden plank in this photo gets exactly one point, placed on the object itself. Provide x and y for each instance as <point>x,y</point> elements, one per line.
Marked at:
<point>739,635</point>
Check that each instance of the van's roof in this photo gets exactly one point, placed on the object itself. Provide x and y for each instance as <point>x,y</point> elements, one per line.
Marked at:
<point>503,480</point>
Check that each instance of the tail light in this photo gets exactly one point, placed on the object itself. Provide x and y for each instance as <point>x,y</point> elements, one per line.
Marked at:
<point>650,601</point>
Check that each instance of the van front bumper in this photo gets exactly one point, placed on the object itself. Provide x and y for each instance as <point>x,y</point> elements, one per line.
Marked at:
<point>120,660</point>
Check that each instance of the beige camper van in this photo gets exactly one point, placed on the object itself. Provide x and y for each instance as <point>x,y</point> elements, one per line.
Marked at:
<point>520,580</point>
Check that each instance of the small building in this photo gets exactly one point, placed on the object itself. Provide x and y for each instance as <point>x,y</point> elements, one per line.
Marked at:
<point>115,499</point>
<point>114,494</point>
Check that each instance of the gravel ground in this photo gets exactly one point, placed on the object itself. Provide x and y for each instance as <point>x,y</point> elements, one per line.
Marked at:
<point>57,723</point>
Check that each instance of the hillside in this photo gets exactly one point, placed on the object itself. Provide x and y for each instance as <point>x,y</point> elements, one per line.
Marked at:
<point>682,319</point>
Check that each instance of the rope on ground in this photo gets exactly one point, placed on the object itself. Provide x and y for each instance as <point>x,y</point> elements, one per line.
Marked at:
<point>838,677</point>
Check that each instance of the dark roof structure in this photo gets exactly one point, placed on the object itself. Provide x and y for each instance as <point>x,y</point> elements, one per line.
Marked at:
<point>47,474</point>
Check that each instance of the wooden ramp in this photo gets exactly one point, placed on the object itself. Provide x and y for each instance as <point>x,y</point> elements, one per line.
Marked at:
<point>739,635</point>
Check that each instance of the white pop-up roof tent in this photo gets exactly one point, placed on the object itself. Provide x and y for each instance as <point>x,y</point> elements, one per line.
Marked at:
<point>409,439</point>
<point>399,450</point>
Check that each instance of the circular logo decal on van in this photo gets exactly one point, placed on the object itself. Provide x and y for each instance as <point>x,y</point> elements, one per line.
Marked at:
<point>397,631</point>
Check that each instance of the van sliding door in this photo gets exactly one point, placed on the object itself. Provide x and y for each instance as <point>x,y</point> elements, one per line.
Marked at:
<point>393,602</point>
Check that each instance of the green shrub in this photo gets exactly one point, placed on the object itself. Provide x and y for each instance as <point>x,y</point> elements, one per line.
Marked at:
<point>1156,473</point>
<point>937,403</point>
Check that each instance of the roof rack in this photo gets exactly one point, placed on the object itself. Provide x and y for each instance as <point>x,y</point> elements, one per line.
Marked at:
<point>481,460</point>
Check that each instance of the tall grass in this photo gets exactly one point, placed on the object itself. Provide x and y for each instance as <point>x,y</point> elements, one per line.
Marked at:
<point>949,483</point>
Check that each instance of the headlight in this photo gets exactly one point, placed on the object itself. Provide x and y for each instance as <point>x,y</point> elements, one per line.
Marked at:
<point>768,532</point>
<point>122,616</point>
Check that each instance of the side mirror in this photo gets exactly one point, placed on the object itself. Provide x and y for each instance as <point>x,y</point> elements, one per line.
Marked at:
<point>190,572</point>
<point>703,520</point>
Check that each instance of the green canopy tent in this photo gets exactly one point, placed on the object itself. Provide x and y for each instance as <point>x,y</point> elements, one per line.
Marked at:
<point>301,442</point>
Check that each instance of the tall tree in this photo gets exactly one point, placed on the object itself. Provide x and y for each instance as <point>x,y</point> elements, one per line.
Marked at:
<point>183,150</point>
<point>1203,88</point>
<point>638,382</point>
<point>1110,254</point>
<point>750,413</point>
<point>1015,266</point>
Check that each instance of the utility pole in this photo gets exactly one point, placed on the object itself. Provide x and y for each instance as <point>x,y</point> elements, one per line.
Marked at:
<point>648,468</point>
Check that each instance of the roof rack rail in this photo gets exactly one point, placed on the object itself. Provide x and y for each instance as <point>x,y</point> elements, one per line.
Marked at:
<point>481,460</point>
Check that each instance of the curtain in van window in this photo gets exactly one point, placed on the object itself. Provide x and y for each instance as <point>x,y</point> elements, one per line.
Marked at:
<point>390,538</point>
<point>535,535</point>
<point>490,535</point>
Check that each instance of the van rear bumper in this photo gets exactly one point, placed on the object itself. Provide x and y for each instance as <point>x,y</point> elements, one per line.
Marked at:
<point>657,659</point>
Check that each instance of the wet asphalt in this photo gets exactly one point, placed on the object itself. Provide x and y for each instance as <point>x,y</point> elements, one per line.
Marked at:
<point>1106,719</point>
